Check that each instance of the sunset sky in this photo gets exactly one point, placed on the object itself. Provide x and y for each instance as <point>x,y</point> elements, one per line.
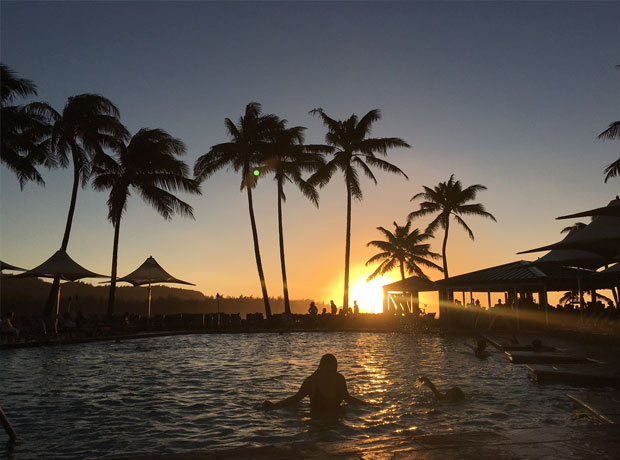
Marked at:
<point>509,95</point>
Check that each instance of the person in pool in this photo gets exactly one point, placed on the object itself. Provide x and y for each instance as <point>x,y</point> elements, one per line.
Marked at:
<point>453,394</point>
<point>480,350</point>
<point>326,387</point>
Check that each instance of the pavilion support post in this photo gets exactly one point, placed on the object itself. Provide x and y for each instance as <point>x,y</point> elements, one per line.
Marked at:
<point>545,301</point>
<point>415,302</point>
<point>580,295</point>
<point>471,296</point>
<point>516,307</point>
<point>385,300</point>
<point>489,298</point>
<point>463,297</point>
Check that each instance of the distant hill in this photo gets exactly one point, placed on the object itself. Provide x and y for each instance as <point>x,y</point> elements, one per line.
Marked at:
<point>26,296</point>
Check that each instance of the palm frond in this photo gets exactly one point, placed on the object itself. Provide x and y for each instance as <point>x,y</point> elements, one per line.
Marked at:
<point>612,132</point>
<point>612,170</point>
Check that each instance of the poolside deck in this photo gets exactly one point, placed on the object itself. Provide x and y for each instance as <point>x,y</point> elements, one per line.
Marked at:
<point>583,442</point>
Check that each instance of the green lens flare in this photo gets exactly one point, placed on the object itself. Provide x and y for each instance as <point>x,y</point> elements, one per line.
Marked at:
<point>256,172</point>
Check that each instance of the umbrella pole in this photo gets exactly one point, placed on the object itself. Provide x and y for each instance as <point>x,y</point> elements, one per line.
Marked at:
<point>149,313</point>
<point>58,300</point>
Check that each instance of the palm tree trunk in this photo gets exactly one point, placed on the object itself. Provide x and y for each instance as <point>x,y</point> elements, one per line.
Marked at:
<point>402,270</point>
<point>443,249</point>
<point>53,295</point>
<point>259,264</point>
<point>347,252</point>
<point>112,295</point>
<point>287,304</point>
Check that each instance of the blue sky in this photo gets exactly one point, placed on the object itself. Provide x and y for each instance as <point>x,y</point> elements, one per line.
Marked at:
<point>510,95</point>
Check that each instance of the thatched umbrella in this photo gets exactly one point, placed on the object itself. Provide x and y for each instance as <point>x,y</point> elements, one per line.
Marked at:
<point>612,209</point>
<point>601,236</point>
<point>150,272</point>
<point>5,266</point>
<point>60,265</point>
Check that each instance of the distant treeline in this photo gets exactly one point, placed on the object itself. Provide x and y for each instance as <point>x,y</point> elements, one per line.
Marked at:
<point>28,295</point>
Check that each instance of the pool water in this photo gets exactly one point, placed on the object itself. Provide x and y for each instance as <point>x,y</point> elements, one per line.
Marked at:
<point>197,392</point>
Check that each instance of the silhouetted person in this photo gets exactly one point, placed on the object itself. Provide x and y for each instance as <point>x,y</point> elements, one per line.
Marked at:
<point>453,394</point>
<point>334,307</point>
<point>8,327</point>
<point>356,308</point>
<point>313,310</point>
<point>537,346</point>
<point>326,387</point>
<point>324,312</point>
<point>480,350</point>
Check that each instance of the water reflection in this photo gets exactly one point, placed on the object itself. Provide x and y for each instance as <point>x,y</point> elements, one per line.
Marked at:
<point>196,392</point>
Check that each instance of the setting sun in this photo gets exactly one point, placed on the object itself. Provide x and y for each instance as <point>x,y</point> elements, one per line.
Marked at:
<point>368,294</point>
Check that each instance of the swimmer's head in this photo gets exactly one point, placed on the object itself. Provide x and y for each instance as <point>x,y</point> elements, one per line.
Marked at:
<point>482,344</point>
<point>455,394</point>
<point>328,363</point>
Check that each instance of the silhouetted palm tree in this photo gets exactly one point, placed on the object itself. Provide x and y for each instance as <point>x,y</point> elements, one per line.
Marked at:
<point>612,132</point>
<point>244,153</point>
<point>573,228</point>
<point>25,129</point>
<point>404,247</point>
<point>449,199</point>
<point>288,158</point>
<point>88,125</point>
<point>147,165</point>
<point>353,149</point>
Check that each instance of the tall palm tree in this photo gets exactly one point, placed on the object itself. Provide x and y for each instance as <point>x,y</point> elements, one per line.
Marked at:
<point>88,124</point>
<point>288,158</point>
<point>25,131</point>
<point>449,199</point>
<point>353,149</point>
<point>244,153</point>
<point>148,165</point>
<point>404,247</point>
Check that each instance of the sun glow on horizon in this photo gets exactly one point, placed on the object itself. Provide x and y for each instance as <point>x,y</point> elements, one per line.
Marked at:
<point>368,294</point>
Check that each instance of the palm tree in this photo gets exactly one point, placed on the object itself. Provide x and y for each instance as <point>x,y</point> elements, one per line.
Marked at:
<point>25,129</point>
<point>89,123</point>
<point>404,247</point>
<point>573,228</point>
<point>288,158</point>
<point>449,199</point>
<point>353,149</point>
<point>148,165</point>
<point>244,153</point>
<point>612,132</point>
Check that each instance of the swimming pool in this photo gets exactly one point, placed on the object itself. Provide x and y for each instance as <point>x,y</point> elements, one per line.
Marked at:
<point>195,392</point>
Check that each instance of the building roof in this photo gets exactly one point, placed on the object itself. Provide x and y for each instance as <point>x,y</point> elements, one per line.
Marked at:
<point>411,284</point>
<point>520,275</point>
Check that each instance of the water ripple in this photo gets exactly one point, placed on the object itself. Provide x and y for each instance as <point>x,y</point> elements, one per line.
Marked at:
<point>183,393</point>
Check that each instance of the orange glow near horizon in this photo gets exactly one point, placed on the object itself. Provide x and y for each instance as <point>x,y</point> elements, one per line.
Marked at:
<point>369,294</point>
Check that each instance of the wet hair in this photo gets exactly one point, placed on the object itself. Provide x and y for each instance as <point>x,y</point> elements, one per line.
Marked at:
<point>455,394</point>
<point>328,362</point>
<point>482,344</point>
